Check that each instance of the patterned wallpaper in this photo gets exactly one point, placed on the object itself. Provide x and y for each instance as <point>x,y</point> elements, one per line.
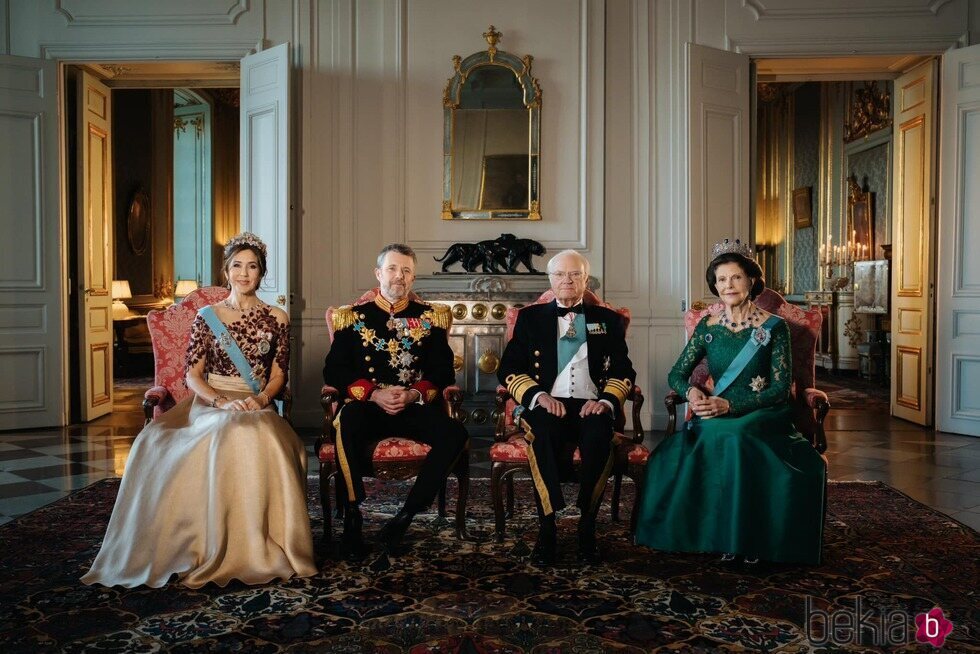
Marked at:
<point>871,169</point>
<point>806,166</point>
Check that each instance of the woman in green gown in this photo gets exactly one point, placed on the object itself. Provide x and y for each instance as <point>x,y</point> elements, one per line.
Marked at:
<point>738,478</point>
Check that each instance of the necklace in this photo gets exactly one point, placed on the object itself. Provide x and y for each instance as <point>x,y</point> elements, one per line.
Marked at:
<point>239,309</point>
<point>753,316</point>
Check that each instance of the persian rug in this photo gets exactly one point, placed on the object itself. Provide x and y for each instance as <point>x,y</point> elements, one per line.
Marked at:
<point>853,392</point>
<point>887,559</point>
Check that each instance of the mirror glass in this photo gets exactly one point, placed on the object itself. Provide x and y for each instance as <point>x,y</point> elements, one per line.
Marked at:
<point>490,142</point>
<point>491,137</point>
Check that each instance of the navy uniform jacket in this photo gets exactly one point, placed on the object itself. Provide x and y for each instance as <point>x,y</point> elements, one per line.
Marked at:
<point>367,353</point>
<point>530,360</point>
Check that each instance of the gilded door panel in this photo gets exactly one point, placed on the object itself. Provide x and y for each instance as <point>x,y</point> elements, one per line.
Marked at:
<point>913,230</point>
<point>94,246</point>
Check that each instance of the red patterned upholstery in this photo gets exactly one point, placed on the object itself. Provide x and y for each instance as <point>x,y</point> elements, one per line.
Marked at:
<point>170,330</point>
<point>393,458</point>
<point>811,404</point>
<point>509,453</point>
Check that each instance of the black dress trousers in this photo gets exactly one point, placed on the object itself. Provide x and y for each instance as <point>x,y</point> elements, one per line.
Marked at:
<point>364,424</point>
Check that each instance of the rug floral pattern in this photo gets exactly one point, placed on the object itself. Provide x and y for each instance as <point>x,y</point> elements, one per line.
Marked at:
<point>882,549</point>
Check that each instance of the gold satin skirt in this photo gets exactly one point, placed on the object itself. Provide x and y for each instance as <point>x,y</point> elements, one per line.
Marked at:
<point>209,495</point>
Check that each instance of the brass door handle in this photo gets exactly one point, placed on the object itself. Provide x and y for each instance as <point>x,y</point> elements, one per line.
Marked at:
<point>457,362</point>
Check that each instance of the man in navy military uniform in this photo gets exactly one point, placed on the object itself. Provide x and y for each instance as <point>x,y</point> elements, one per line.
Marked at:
<point>568,367</point>
<point>391,359</point>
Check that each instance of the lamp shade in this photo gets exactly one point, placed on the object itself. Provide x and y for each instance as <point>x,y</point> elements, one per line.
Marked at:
<point>185,287</point>
<point>120,289</point>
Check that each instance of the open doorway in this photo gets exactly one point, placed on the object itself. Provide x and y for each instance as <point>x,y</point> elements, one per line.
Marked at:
<point>163,168</point>
<point>824,214</point>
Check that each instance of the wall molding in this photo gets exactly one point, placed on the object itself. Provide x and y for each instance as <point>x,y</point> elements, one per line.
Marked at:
<point>849,44</point>
<point>76,15</point>
<point>231,50</point>
<point>760,12</point>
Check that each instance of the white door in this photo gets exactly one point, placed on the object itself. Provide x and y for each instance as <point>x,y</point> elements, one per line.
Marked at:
<point>719,146</point>
<point>32,348</point>
<point>192,206</point>
<point>913,199</point>
<point>265,174</point>
<point>94,216</point>
<point>958,296</point>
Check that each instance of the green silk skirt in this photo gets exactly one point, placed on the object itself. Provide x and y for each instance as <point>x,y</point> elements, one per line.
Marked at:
<point>749,485</point>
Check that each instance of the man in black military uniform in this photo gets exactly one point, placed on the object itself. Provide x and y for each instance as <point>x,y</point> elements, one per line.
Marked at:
<point>390,360</point>
<point>568,367</point>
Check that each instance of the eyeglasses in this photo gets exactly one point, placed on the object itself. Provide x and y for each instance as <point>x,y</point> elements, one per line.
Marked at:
<point>574,276</point>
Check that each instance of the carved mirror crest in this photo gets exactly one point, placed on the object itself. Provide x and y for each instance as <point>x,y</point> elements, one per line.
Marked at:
<point>491,137</point>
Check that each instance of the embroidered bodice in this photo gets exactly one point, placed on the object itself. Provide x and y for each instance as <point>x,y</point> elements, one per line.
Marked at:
<point>765,381</point>
<point>252,332</point>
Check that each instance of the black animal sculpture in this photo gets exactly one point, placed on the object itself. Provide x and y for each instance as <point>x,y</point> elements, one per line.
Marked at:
<point>504,254</point>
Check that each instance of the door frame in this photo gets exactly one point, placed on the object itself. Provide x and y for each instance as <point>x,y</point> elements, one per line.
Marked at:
<point>79,55</point>
<point>759,51</point>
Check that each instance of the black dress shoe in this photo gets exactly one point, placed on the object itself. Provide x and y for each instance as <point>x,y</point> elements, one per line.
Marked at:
<point>352,545</point>
<point>545,550</point>
<point>393,532</point>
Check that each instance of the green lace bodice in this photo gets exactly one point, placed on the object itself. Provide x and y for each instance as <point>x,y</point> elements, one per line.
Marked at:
<point>766,379</point>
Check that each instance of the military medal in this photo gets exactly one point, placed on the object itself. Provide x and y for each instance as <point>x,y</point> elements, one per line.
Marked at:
<point>571,333</point>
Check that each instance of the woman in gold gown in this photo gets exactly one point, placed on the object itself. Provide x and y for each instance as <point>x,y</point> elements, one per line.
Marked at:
<point>215,488</point>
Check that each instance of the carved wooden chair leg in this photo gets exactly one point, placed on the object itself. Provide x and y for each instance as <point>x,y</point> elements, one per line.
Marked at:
<point>326,473</point>
<point>463,479</point>
<point>617,488</point>
<point>510,496</point>
<point>497,495</point>
<point>638,475</point>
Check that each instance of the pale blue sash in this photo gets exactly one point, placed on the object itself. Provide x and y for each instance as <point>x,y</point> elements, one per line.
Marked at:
<point>568,346</point>
<point>748,351</point>
<point>230,347</point>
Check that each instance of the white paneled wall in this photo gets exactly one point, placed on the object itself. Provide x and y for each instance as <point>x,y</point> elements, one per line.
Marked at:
<point>368,81</point>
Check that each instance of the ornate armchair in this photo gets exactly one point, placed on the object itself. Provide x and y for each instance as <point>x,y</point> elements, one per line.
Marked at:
<point>508,454</point>
<point>393,458</point>
<point>170,331</point>
<point>810,405</point>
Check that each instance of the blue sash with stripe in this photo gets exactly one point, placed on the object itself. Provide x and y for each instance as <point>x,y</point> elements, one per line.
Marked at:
<point>230,347</point>
<point>567,347</point>
<point>748,351</point>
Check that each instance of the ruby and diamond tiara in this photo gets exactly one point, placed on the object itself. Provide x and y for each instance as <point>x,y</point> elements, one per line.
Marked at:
<point>736,247</point>
<point>247,238</point>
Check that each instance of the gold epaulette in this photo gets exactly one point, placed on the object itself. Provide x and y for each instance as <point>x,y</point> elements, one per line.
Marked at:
<point>439,315</point>
<point>343,317</point>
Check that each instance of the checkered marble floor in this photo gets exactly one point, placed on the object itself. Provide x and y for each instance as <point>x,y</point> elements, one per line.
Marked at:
<point>941,470</point>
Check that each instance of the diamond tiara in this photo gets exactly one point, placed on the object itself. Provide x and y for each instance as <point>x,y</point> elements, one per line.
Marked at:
<point>247,238</point>
<point>736,246</point>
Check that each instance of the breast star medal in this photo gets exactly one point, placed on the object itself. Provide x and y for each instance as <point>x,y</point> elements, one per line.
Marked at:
<point>758,383</point>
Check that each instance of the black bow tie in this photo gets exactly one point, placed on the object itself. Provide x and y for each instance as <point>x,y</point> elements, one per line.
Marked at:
<point>564,311</point>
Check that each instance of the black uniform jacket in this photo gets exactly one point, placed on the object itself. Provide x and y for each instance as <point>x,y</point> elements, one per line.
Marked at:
<point>368,353</point>
<point>530,360</point>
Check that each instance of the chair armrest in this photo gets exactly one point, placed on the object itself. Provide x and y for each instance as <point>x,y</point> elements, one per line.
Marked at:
<point>453,396</point>
<point>818,401</point>
<point>500,403</point>
<point>636,396</point>
<point>329,397</point>
<point>152,398</point>
<point>814,396</point>
<point>671,401</point>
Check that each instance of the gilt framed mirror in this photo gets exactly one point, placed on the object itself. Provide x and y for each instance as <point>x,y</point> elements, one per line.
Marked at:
<point>491,137</point>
